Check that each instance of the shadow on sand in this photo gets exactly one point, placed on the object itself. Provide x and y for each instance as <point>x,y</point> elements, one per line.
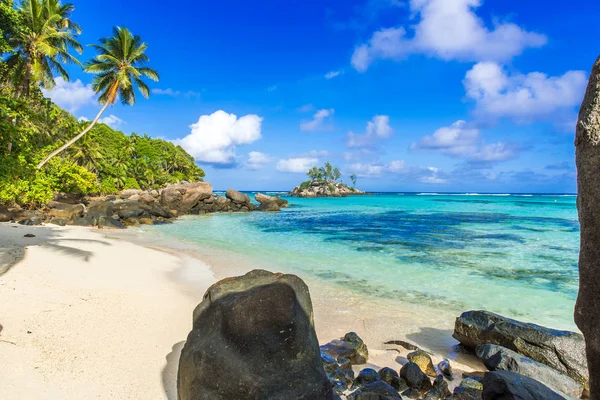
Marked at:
<point>13,244</point>
<point>169,372</point>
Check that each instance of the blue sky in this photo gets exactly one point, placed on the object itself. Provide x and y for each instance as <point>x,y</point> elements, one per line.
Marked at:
<point>419,95</point>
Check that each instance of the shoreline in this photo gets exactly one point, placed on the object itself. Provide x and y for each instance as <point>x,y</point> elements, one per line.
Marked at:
<point>130,310</point>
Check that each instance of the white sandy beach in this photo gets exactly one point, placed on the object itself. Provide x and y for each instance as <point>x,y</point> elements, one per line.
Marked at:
<point>88,314</point>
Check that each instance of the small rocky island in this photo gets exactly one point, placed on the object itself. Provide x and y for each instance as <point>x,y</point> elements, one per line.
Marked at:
<point>325,182</point>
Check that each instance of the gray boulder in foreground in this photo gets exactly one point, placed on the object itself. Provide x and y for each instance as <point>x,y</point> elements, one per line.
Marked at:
<point>506,385</point>
<point>253,337</point>
<point>561,350</point>
<point>498,358</point>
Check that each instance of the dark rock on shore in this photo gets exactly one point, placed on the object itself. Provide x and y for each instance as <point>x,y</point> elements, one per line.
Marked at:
<point>446,369</point>
<point>415,378</point>
<point>423,360</point>
<point>253,337</point>
<point>185,196</point>
<point>498,358</point>
<point>366,376</point>
<point>378,390</point>
<point>351,346</point>
<point>439,391</point>
<point>263,199</point>
<point>65,211</point>
<point>30,221</point>
<point>508,385</point>
<point>561,350</point>
<point>393,379</point>
<point>469,389</point>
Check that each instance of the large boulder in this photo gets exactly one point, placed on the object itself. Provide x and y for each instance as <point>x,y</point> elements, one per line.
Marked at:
<point>498,358</point>
<point>508,385</point>
<point>264,199</point>
<point>125,194</point>
<point>269,207</point>
<point>237,197</point>
<point>351,346</point>
<point>185,196</point>
<point>469,389</point>
<point>423,360</point>
<point>64,210</point>
<point>561,350</point>
<point>416,380</point>
<point>253,337</point>
<point>5,215</point>
<point>377,390</point>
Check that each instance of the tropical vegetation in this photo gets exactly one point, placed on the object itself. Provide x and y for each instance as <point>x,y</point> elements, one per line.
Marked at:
<point>43,148</point>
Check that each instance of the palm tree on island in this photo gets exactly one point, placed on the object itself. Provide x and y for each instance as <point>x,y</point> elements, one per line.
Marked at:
<point>119,67</point>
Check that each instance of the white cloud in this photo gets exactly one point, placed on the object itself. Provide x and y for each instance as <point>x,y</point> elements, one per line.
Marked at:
<point>378,128</point>
<point>319,120</point>
<point>317,153</point>
<point>306,108</point>
<point>296,165</point>
<point>449,30</point>
<point>174,93</point>
<point>213,139</point>
<point>257,160</point>
<point>522,97</point>
<point>333,74</point>
<point>397,169</point>
<point>460,140</point>
<point>71,95</point>
<point>112,120</point>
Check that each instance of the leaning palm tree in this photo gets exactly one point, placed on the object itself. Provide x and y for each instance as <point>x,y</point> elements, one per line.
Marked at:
<point>44,45</point>
<point>119,67</point>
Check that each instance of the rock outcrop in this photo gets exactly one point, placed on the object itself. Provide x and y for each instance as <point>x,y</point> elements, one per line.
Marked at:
<point>270,203</point>
<point>498,358</point>
<point>562,350</point>
<point>324,189</point>
<point>508,385</point>
<point>587,155</point>
<point>184,197</point>
<point>351,347</point>
<point>253,337</point>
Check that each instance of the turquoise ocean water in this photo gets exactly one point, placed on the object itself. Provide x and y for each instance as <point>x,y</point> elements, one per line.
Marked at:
<point>511,254</point>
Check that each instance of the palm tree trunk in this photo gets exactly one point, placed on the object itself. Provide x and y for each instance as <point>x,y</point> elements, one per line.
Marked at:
<point>76,138</point>
<point>587,149</point>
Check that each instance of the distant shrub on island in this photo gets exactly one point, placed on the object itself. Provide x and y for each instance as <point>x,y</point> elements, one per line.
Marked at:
<point>324,182</point>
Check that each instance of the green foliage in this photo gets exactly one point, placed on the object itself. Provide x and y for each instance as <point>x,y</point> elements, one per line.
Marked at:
<point>325,173</point>
<point>305,185</point>
<point>353,179</point>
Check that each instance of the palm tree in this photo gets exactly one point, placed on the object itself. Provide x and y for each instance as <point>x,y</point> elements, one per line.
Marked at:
<point>119,67</point>
<point>44,45</point>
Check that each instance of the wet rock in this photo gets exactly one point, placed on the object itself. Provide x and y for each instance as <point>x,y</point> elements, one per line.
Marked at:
<point>253,337</point>
<point>561,350</point>
<point>393,379</point>
<point>439,391</point>
<point>146,221</point>
<point>469,389</point>
<point>131,222</point>
<point>365,377</point>
<point>423,360</point>
<point>498,358</point>
<point>65,211</point>
<point>344,376</point>
<point>30,221</point>
<point>508,385</point>
<point>351,346</point>
<point>329,363</point>
<point>29,235</point>
<point>222,203</point>
<point>377,390</point>
<point>237,197</point>
<point>446,369</point>
<point>157,210</point>
<point>269,207</point>
<point>415,378</point>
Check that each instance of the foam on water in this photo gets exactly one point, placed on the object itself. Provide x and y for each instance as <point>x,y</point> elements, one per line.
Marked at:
<point>514,255</point>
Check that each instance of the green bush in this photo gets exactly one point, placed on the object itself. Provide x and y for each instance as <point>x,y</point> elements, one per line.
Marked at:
<point>305,185</point>
<point>107,186</point>
<point>131,183</point>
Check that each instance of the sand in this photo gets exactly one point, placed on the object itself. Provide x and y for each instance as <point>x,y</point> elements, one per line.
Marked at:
<point>92,313</point>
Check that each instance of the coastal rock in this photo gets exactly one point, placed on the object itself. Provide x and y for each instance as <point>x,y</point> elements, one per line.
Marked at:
<point>253,337</point>
<point>58,221</point>
<point>263,199</point>
<point>65,211</point>
<point>156,210</point>
<point>125,194</point>
<point>446,369</point>
<point>439,391</point>
<point>366,376</point>
<point>415,378</point>
<point>5,215</point>
<point>508,385</point>
<point>270,207</point>
<point>109,223</point>
<point>561,350</point>
<point>185,196</point>
<point>237,197</point>
<point>344,376</point>
<point>30,221</point>
<point>128,210</point>
<point>498,358</point>
<point>377,390</point>
<point>324,188</point>
<point>147,198</point>
<point>423,360</point>
<point>100,208</point>
<point>392,378</point>
<point>351,346</point>
<point>469,389</point>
